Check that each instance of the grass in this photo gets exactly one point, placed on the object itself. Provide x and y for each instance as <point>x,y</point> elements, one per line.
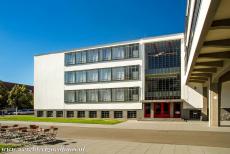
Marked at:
<point>61,120</point>
<point>2,146</point>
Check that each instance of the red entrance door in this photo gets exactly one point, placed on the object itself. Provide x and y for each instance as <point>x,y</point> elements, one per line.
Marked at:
<point>162,110</point>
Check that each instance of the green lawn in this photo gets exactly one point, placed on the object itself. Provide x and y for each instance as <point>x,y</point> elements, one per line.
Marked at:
<point>61,120</point>
<point>2,146</point>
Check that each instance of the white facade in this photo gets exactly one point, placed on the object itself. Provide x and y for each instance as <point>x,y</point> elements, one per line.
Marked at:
<point>49,86</point>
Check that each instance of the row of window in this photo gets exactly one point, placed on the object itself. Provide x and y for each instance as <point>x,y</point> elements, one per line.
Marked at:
<point>92,114</point>
<point>102,75</point>
<point>102,54</point>
<point>102,95</point>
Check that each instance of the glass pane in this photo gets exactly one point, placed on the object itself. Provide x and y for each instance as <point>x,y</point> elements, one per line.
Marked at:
<point>69,77</point>
<point>83,57</point>
<point>92,56</point>
<point>81,96</point>
<point>118,73</point>
<point>118,53</point>
<point>78,58</point>
<point>105,54</point>
<point>70,58</point>
<point>80,76</point>
<point>118,95</point>
<point>69,96</point>
<point>105,95</point>
<point>92,95</point>
<point>92,76</point>
<point>105,74</point>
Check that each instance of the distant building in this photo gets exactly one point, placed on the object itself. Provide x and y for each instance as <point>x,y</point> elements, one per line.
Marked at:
<point>10,85</point>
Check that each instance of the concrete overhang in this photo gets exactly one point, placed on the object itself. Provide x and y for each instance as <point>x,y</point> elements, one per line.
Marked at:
<point>213,55</point>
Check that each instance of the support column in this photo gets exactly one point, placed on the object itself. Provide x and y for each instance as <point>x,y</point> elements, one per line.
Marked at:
<point>125,114</point>
<point>64,114</point>
<point>75,114</point>
<point>171,109</point>
<point>204,111</point>
<point>54,113</point>
<point>45,113</point>
<point>98,113</point>
<point>214,105</point>
<point>111,114</point>
<point>86,114</point>
<point>152,110</point>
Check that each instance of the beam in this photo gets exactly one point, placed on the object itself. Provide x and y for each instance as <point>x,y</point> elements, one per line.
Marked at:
<point>211,63</point>
<point>199,78</point>
<point>197,81</point>
<point>221,24</point>
<point>219,55</point>
<point>207,70</point>
<point>208,75</point>
<point>217,43</point>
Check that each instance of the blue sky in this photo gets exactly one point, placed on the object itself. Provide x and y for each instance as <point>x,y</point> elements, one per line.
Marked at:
<point>30,27</point>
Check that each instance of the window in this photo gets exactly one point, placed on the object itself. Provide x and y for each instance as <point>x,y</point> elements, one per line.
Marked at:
<point>118,114</point>
<point>132,94</point>
<point>92,76</point>
<point>118,73</point>
<point>92,56</point>
<point>49,113</point>
<point>118,53</point>
<point>40,114</point>
<point>105,95</point>
<point>83,57</point>
<point>78,58</point>
<point>70,114</point>
<point>118,95</point>
<point>81,96</point>
<point>92,114</point>
<point>59,113</point>
<point>69,77</point>
<point>104,114</point>
<point>92,95</point>
<point>102,95</point>
<point>81,114</point>
<point>132,114</point>
<point>105,54</point>
<point>70,96</point>
<point>69,58</point>
<point>132,73</point>
<point>105,74</point>
<point>80,76</point>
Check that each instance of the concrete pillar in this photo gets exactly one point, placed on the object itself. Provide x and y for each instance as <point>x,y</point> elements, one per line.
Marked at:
<point>171,109</point>
<point>75,114</point>
<point>35,113</point>
<point>54,114</point>
<point>125,114</point>
<point>152,110</point>
<point>86,114</point>
<point>44,113</point>
<point>99,114</point>
<point>204,110</point>
<point>64,114</point>
<point>140,114</point>
<point>111,114</point>
<point>214,105</point>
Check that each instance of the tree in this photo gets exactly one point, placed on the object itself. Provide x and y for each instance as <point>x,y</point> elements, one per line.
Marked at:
<point>20,97</point>
<point>3,95</point>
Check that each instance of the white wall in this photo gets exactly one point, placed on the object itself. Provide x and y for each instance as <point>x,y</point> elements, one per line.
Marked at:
<point>191,94</point>
<point>48,81</point>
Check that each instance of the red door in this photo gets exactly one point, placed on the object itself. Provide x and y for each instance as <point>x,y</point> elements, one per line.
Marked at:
<point>162,110</point>
<point>147,110</point>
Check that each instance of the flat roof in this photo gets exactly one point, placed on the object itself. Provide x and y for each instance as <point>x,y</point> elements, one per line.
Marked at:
<point>144,40</point>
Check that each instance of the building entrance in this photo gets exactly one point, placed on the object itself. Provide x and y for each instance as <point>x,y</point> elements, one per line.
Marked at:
<point>161,110</point>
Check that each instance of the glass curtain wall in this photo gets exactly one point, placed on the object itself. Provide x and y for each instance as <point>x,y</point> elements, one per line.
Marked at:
<point>162,80</point>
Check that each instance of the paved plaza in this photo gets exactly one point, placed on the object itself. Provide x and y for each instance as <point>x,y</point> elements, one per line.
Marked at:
<point>139,137</point>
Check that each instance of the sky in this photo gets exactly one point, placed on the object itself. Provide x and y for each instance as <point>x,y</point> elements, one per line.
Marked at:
<point>31,27</point>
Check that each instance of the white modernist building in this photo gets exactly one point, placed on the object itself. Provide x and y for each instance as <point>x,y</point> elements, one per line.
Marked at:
<point>141,79</point>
